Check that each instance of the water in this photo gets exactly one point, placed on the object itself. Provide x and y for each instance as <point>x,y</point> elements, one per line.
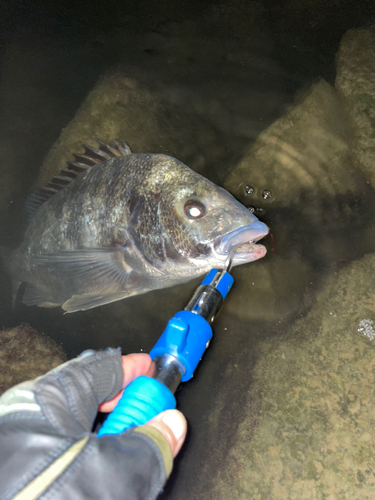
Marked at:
<point>210,77</point>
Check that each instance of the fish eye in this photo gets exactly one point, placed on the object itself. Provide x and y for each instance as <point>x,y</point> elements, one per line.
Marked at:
<point>194,209</point>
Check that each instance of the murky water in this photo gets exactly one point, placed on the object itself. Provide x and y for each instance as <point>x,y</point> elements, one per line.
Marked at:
<point>216,75</point>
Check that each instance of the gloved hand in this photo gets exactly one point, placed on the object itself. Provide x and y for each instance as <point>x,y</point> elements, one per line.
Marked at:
<point>47,449</point>
<point>171,423</point>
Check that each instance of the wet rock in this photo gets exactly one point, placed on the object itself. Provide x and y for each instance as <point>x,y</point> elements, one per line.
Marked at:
<point>119,107</point>
<point>304,151</point>
<point>269,290</point>
<point>26,354</point>
<point>299,178</point>
<point>311,410</point>
<point>355,82</point>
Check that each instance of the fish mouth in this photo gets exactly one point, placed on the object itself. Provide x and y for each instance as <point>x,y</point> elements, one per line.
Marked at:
<point>242,243</point>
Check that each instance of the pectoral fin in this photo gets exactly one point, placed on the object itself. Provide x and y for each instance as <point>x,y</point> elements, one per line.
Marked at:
<point>86,278</point>
<point>87,301</point>
<point>35,297</point>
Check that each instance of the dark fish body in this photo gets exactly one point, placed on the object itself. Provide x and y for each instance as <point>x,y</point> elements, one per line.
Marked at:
<point>127,225</point>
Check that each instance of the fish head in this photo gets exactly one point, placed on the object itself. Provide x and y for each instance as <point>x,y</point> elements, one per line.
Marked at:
<point>206,224</point>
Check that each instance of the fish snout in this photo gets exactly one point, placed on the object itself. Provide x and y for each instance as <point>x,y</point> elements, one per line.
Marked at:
<point>244,235</point>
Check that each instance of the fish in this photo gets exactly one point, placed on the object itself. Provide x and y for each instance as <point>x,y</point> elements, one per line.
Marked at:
<point>114,224</point>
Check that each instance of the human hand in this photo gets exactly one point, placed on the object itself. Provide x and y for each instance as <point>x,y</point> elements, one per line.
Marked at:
<point>171,423</point>
<point>64,403</point>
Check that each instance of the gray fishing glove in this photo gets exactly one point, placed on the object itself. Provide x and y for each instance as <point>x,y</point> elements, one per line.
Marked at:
<point>47,449</point>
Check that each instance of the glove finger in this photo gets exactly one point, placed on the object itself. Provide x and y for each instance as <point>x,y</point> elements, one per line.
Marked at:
<point>133,365</point>
<point>70,394</point>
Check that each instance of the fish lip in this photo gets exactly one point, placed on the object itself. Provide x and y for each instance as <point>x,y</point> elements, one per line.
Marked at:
<point>246,235</point>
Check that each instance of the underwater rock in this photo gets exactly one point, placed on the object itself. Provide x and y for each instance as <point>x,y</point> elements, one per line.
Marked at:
<point>300,180</point>
<point>304,151</point>
<point>270,290</point>
<point>310,430</point>
<point>26,354</point>
<point>355,83</point>
<point>120,108</point>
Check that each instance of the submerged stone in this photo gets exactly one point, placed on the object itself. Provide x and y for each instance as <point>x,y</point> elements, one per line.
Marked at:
<point>270,290</point>
<point>119,107</point>
<point>26,354</point>
<point>306,150</point>
<point>305,187</point>
<point>355,83</point>
<point>314,432</point>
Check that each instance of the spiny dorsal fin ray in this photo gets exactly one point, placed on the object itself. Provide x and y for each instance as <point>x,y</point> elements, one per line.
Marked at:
<point>75,167</point>
<point>87,160</point>
<point>90,157</point>
<point>97,153</point>
<point>60,180</point>
<point>118,149</point>
<point>123,149</point>
<point>55,186</point>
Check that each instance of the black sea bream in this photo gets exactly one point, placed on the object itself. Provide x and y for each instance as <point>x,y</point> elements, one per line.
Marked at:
<point>116,224</point>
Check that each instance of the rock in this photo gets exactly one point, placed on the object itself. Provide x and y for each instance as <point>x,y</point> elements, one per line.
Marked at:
<point>355,83</point>
<point>118,107</point>
<point>269,290</point>
<point>26,354</point>
<point>304,151</point>
<point>314,431</point>
<point>300,180</point>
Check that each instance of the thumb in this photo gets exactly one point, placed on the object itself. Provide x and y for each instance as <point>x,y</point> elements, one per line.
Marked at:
<point>172,424</point>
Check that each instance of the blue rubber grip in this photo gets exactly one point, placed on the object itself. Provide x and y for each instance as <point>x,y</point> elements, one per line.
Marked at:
<point>142,400</point>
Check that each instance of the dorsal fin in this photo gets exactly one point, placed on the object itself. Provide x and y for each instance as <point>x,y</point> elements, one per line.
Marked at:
<point>90,157</point>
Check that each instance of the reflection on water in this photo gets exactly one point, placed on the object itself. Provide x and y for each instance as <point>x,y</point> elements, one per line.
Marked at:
<point>212,85</point>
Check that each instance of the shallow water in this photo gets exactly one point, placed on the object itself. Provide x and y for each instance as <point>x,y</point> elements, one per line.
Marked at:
<point>232,70</point>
